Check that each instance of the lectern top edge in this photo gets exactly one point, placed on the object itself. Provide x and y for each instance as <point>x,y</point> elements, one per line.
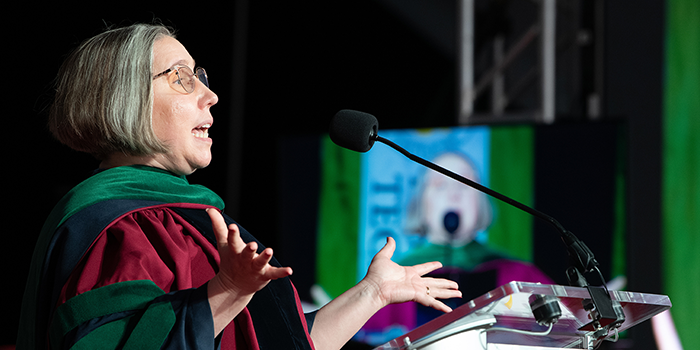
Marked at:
<point>509,306</point>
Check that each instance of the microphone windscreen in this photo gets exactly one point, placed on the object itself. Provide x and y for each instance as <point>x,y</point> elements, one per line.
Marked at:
<point>354,130</point>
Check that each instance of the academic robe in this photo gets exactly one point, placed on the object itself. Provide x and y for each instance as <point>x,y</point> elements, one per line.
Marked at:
<point>123,261</point>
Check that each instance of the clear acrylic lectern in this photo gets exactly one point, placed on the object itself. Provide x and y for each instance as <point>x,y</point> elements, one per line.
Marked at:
<point>503,319</point>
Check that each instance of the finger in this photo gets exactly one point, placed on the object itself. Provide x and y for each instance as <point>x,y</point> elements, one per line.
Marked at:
<point>428,267</point>
<point>437,305</point>
<point>263,259</point>
<point>388,249</point>
<point>235,241</point>
<point>430,300</point>
<point>440,288</point>
<point>274,273</point>
<point>219,226</point>
<point>441,284</point>
<point>440,293</point>
<point>249,252</point>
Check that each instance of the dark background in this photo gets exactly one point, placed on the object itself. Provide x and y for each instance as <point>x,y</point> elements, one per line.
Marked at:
<point>283,68</point>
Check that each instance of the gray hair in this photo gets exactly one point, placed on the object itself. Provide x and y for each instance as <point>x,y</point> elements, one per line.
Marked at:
<point>104,96</point>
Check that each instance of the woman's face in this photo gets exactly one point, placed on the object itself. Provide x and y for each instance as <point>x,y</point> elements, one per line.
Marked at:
<point>180,120</point>
<point>443,195</point>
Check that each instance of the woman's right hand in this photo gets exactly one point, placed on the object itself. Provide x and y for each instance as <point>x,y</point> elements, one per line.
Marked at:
<point>242,269</point>
<point>242,272</point>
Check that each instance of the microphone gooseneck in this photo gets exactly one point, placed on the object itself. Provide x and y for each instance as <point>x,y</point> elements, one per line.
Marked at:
<point>358,131</point>
<point>584,260</point>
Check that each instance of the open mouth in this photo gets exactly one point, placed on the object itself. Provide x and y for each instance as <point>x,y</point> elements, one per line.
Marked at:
<point>202,131</point>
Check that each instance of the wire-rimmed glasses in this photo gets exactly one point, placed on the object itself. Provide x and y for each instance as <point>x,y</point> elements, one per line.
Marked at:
<point>184,77</point>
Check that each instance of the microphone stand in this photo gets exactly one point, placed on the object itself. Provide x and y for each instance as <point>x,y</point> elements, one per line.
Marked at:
<point>603,311</point>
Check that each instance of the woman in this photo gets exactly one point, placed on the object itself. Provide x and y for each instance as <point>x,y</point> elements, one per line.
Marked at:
<point>135,256</point>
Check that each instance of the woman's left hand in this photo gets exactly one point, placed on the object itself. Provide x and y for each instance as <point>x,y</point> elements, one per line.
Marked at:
<point>386,283</point>
<point>397,284</point>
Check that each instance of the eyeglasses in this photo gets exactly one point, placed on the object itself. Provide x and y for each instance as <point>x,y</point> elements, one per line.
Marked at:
<point>183,79</point>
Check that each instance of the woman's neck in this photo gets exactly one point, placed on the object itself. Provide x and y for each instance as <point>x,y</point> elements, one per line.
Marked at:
<point>120,159</point>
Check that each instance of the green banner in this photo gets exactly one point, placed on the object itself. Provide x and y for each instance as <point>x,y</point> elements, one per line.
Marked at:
<point>681,170</point>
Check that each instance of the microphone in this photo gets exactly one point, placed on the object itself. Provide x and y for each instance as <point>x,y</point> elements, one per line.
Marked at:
<point>358,131</point>
<point>354,130</point>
